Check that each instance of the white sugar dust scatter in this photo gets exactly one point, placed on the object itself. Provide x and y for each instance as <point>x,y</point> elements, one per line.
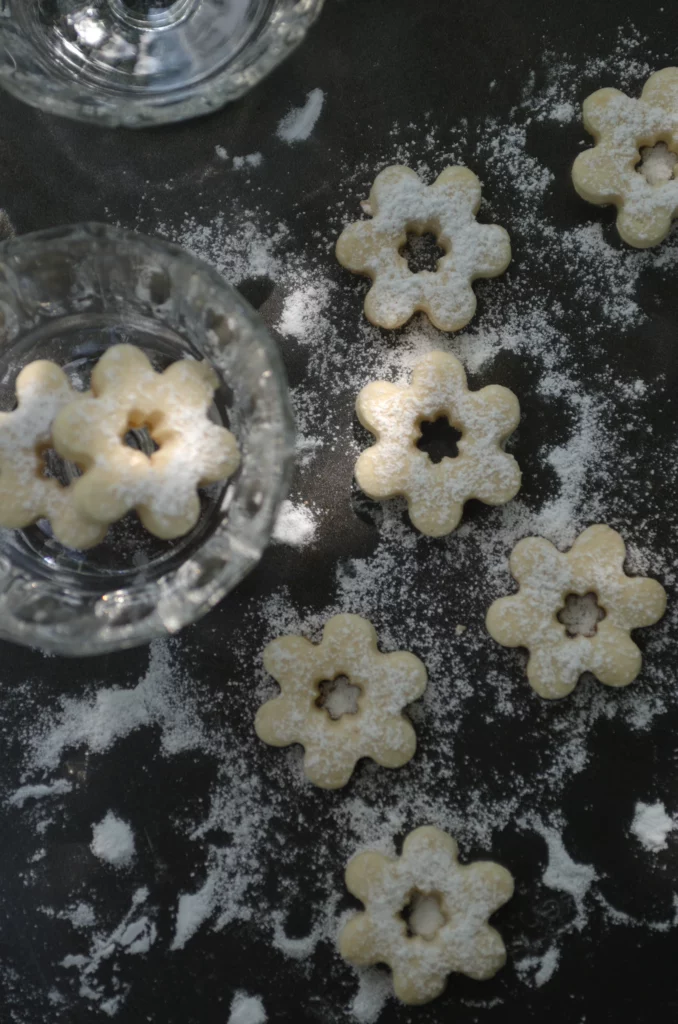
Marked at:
<point>374,991</point>
<point>316,309</point>
<point>135,934</point>
<point>250,160</point>
<point>98,722</point>
<point>80,916</point>
<point>297,125</point>
<point>539,969</point>
<point>564,874</point>
<point>113,841</point>
<point>39,792</point>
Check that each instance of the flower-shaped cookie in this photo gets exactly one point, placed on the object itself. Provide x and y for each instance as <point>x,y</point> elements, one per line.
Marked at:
<point>26,493</point>
<point>400,203</point>
<point>451,935</point>
<point>333,746</point>
<point>395,466</point>
<point>593,565</point>
<point>632,163</point>
<point>173,405</point>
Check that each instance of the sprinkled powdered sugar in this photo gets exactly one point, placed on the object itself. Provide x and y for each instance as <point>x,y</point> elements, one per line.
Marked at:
<point>247,1010</point>
<point>113,841</point>
<point>297,125</point>
<point>80,916</point>
<point>133,935</point>
<point>296,525</point>
<point>374,991</point>
<point>250,160</point>
<point>565,874</point>
<point>162,697</point>
<point>651,825</point>
<point>564,279</point>
<point>541,968</point>
<point>39,792</point>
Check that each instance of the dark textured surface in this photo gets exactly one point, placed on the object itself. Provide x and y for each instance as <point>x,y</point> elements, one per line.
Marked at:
<point>378,61</point>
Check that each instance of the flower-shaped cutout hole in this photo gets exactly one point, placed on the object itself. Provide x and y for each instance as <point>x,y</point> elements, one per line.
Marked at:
<point>140,439</point>
<point>439,439</point>
<point>339,697</point>
<point>581,614</point>
<point>422,252</point>
<point>423,914</point>
<point>52,467</point>
<point>657,163</point>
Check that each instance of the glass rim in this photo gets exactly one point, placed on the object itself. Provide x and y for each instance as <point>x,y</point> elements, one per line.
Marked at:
<point>180,597</point>
<point>114,110</point>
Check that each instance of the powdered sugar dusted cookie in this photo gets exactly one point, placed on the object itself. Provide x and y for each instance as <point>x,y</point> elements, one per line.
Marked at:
<point>173,406</point>
<point>448,903</point>
<point>395,466</point>
<point>334,737</point>
<point>633,162</point>
<point>400,203</point>
<point>26,493</point>
<point>574,611</point>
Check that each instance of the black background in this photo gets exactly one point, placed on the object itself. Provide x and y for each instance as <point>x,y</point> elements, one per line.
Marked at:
<point>378,62</point>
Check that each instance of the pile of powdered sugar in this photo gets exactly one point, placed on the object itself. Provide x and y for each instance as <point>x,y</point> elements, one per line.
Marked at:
<point>296,525</point>
<point>651,826</point>
<point>113,841</point>
<point>247,1010</point>
<point>425,597</point>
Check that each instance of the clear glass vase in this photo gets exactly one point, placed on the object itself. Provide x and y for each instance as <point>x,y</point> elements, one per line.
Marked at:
<point>67,295</point>
<point>144,62</point>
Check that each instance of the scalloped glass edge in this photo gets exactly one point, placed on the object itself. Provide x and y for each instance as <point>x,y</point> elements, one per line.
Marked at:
<point>281,36</point>
<point>181,596</point>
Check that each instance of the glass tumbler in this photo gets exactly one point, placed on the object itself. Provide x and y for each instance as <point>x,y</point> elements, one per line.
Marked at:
<point>67,295</point>
<point>143,62</point>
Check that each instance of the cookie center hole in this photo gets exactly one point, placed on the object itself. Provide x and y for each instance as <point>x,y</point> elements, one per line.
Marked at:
<point>657,164</point>
<point>422,252</point>
<point>51,466</point>
<point>581,614</point>
<point>423,914</point>
<point>140,439</point>
<point>338,697</point>
<point>439,439</point>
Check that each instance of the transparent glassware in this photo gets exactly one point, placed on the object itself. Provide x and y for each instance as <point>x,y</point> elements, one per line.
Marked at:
<point>67,295</point>
<point>143,62</point>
